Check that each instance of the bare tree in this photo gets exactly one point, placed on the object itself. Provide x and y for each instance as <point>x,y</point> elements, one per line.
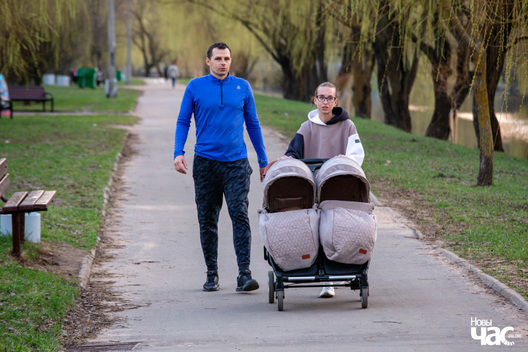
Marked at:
<point>293,33</point>
<point>145,35</point>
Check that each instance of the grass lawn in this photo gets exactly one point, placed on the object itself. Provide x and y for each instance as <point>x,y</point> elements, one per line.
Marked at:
<point>74,155</point>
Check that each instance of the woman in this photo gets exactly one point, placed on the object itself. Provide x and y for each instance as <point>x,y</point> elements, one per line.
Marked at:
<point>328,132</point>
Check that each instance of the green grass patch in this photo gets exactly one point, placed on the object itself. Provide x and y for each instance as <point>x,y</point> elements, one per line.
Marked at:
<point>134,81</point>
<point>32,306</point>
<point>75,99</point>
<point>75,156</point>
<point>479,223</point>
<point>283,115</point>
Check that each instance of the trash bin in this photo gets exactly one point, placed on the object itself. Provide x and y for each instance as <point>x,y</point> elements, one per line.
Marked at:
<point>31,227</point>
<point>86,77</point>
<point>80,77</point>
<point>63,81</point>
<point>118,76</point>
<point>48,79</point>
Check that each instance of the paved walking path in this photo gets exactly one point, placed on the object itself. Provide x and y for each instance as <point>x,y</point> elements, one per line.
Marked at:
<point>419,301</point>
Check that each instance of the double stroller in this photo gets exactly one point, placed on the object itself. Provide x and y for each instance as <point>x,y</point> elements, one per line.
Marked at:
<point>317,225</point>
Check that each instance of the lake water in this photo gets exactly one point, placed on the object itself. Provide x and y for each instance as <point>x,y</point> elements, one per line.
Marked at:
<point>514,122</point>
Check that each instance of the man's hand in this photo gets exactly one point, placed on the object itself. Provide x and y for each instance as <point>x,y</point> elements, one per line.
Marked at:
<point>262,173</point>
<point>180,164</point>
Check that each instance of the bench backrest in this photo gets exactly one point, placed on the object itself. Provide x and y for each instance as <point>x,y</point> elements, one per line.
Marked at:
<point>26,92</point>
<point>4,176</point>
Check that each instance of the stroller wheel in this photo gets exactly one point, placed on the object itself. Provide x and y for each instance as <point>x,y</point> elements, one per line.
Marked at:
<point>271,286</point>
<point>280,300</point>
<point>364,293</point>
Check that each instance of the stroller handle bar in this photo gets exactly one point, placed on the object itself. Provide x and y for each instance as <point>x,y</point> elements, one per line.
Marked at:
<point>314,164</point>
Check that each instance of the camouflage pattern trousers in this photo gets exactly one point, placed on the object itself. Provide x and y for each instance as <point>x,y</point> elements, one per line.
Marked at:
<point>214,180</point>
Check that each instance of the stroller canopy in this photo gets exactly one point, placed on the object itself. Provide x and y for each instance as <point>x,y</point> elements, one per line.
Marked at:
<point>288,185</point>
<point>341,178</point>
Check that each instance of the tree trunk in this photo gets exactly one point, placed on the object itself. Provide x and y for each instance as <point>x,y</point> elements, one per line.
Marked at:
<point>361,88</point>
<point>440,58</point>
<point>485,176</point>
<point>495,63</point>
<point>439,125</point>
<point>298,86</point>
<point>354,77</point>
<point>395,79</point>
<point>463,75</point>
<point>441,71</point>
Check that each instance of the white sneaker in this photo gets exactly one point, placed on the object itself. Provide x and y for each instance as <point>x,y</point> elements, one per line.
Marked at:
<point>327,292</point>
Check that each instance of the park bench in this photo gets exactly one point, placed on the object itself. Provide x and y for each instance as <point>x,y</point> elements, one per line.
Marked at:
<point>19,204</point>
<point>29,94</point>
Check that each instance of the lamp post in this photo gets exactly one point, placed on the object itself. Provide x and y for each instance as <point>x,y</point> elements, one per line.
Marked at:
<point>129,43</point>
<point>111,91</point>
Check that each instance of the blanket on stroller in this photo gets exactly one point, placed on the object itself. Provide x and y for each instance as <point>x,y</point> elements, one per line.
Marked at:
<point>289,222</point>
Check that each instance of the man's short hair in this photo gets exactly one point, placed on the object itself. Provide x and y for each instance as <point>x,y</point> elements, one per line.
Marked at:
<point>219,45</point>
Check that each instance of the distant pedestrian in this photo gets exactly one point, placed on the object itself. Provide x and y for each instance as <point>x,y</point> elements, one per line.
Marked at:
<point>173,73</point>
<point>4,96</point>
<point>222,104</point>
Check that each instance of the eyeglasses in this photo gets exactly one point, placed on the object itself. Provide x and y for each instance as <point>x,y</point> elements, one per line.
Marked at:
<point>322,98</point>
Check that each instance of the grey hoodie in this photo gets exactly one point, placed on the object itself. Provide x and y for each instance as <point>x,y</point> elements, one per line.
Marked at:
<point>316,139</point>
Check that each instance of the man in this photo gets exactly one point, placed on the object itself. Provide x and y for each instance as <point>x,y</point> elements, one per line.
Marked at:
<point>221,104</point>
<point>173,73</point>
<point>327,133</point>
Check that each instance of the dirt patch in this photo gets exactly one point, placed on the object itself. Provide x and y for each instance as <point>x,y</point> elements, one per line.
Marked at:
<point>98,302</point>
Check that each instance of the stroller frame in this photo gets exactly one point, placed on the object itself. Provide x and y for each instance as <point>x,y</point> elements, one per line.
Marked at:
<point>322,271</point>
<point>319,273</point>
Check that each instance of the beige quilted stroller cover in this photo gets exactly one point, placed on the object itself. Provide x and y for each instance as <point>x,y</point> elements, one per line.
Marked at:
<point>347,226</point>
<point>289,222</point>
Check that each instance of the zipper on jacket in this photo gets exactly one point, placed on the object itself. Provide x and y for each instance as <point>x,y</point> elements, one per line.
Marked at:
<point>221,94</point>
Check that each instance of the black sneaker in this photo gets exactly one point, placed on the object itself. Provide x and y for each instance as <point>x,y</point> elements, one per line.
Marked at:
<point>211,284</point>
<point>245,282</point>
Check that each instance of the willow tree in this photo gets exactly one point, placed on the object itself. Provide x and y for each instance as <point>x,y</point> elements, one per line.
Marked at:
<point>491,29</point>
<point>357,61</point>
<point>485,35</point>
<point>26,28</point>
<point>501,17</point>
<point>293,33</point>
<point>385,26</point>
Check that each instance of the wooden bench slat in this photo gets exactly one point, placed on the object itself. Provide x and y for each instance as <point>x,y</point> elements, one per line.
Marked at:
<point>3,167</point>
<point>29,92</point>
<point>13,202</point>
<point>43,202</point>
<point>4,184</point>
<point>29,202</point>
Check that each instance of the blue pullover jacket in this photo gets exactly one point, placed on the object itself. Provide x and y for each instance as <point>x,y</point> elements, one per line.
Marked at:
<point>220,107</point>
